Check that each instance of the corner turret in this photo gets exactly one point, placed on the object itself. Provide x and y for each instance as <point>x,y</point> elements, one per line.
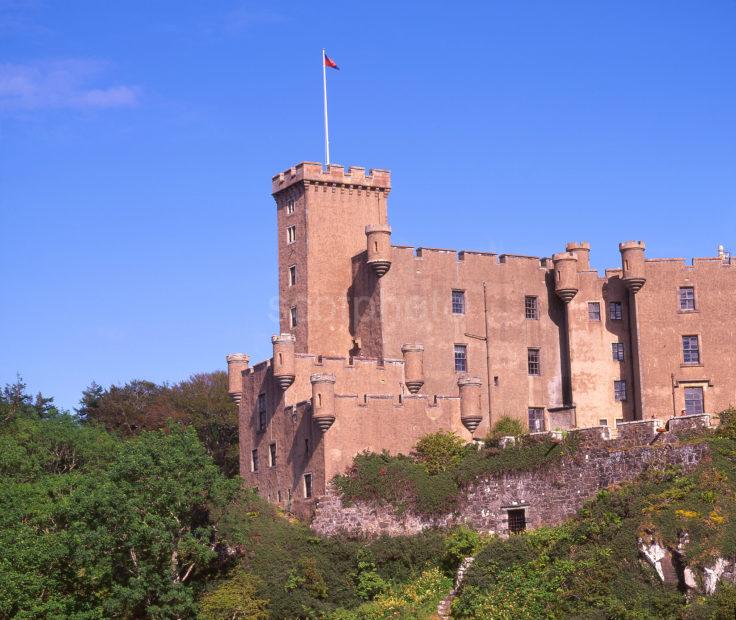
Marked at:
<point>566,275</point>
<point>470,411</point>
<point>581,249</point>
<point>283,359</point>
<point>378,237</point>
<point>413,366</point>
<point>236,364</point>
<point>632,262</point>
<point>323,400</point>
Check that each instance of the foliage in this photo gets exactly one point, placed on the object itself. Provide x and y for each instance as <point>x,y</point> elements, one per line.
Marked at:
<point>727,427</point>
<point>235,599</point>
<point>439,451</point>
<point>406,484</point>
<point>460,543</point>
<point>506,427</point>
<point>416,599</point>
<point>202,401</point>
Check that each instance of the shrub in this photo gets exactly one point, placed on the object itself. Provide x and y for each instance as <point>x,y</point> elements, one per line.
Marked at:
<point>727,427</point>
<point>235,599</point>
<point>439,451</point>
<point>505,427</point>
<point>461,543</point>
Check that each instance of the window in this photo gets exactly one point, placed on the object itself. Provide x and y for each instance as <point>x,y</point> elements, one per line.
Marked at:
<point>261,412</point>
<point>307,485</point>
<point>306,447</point>
<point>291,234</point>
<point>517,520</point>
<point>254,460</point>
<point>531,307</point>
<point>619,390</point>
<point>290,206</point>
<point>690,350</point>
<point>615,312</point>
<point>687,298</point>
<point>461,358</point>
<point>536,419</point>
<point>292,275</point>
<point>617,351</point>
<point>278,495</point>
<point>694,400</point>
<point>458,302</point>
<point>603,422</point>
<point>292,316</point>
<point>594,311</point>
<point>533,365</point>
<point>272,455</point>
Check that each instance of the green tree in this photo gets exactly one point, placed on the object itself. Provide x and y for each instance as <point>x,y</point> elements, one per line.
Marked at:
<point>439,451</point>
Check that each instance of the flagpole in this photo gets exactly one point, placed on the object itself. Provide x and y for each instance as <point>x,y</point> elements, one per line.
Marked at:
<point>324,87</point>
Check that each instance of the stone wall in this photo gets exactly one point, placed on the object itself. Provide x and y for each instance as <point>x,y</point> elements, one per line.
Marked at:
<point>547,496</point>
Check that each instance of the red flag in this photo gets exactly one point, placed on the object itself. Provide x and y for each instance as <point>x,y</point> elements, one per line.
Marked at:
<point>330,63</point>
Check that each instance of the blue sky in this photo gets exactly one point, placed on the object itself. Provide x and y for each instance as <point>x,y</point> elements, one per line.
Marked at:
<point>138,139</point>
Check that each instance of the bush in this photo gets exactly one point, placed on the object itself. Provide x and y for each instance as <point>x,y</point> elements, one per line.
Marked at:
<point>235,599</point>
<point>439,451</point>
<point>506,427</point>
<point>727,427</point>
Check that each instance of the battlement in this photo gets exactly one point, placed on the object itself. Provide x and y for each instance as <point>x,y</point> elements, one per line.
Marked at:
<point>422,252</point>
<point>334,175</point>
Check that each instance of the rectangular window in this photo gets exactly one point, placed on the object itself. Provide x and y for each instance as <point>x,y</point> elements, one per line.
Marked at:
<point>290,206</point>
<point>594,311</point>
<point>517,520</point>
<point>458,302</point>
<point>292,316</point>
<point>307,485</point>
<point>619,390</point>
<point>461,358</point>
<point>291,234</point>
<point>254,460</point>
<point>261,412</point>
<point>532,359</point>
<point>694,400</point>
<point>292,275</point>
<point>272,455</point>
<point>615,311</point>
<point>603,422</point>
<point>687,298</point>
<point>690,350</point>
<point>306,447</point>
<point>536,419</point>
<point>617,351</point>
<point>531,307</point>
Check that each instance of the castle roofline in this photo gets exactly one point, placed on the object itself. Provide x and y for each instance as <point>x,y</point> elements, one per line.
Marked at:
<point>334,174</point>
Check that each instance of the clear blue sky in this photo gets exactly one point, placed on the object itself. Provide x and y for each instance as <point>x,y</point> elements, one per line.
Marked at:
<point>138,140</point>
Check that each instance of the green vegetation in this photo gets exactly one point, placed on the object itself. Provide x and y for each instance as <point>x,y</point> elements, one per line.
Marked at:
<point>506,427</point>
<point>429,481</point>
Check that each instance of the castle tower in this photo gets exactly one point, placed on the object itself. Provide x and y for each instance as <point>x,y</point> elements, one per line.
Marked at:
<point>566,275</point>
<point>413,366</point>
<point>632,262</point>
<point>283,359</point>
<point>378,238</point>
<point>323,400</point>
<point>322,217</point>
<point>581,250</point>
<point>236,364</point>
<point>470,410</point>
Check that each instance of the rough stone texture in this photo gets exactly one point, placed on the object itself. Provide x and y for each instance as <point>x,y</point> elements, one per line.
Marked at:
<point>548,496</point>
<point>354,324</point>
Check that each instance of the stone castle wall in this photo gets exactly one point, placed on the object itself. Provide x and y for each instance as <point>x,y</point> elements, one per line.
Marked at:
<point>548,496</point>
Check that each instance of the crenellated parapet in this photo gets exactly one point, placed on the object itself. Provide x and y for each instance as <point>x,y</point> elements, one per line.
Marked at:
<point>334,176</point>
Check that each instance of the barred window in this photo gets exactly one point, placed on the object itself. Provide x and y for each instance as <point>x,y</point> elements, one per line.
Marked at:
<point>533,365</point>
<point>536,419</point>
<point>615,311</point>
<point>594,311</point>
<point>691,350</point>
<point>531,307</point>
<point>458,302</point>
<point>687,298</point>
<point>617,350</point>
<point>694,400</point>
<point>272,455</point>
<point>619,390</point>
<point>254,460</point>
<point>261,412</point>
<point>517,520</point>
<point>461,358</point>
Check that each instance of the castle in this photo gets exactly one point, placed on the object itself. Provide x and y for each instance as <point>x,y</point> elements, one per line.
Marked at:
<point>382,344</point>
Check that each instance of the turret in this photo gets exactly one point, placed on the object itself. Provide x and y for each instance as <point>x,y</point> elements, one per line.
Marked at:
<point>470,411</point>
<point>283,359</point>
<point>581,250</point>
<point>323,400</point>
<point>566,275</point>
<point>378,237</point>
<point>632,261</point>
<point>413,366</point>
<point>236,364</point>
